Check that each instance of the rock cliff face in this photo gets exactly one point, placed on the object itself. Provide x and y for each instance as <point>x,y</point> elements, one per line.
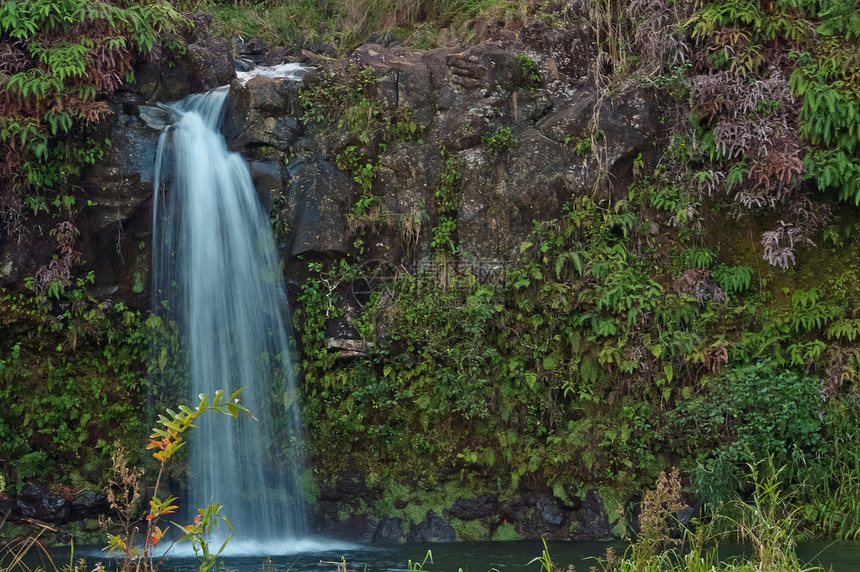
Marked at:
<point>457,100</point>
<point>557,136</point>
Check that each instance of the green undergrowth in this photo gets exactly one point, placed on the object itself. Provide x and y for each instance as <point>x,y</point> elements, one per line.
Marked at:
<point>606,354</point>
<point>73,372</point>
<point>60,60</point>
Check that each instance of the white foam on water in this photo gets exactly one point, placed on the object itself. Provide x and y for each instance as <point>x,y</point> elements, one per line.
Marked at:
<point>294,72</point>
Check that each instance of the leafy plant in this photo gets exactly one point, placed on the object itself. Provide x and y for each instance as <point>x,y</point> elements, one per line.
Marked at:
<point>60,61</point>
<point>502,139</point>
<point>530,72</point>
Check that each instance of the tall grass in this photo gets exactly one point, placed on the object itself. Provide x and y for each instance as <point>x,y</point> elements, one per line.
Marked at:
<point>828,485</point>
<point>14,552</point>
<point>345,24</point>
<point>769,525</point>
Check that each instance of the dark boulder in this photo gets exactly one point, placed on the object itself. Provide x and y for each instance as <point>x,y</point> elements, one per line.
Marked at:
<point>390,531</point>
<point>473,508</point>
<point>593,522</point>
<point>432,529</point>
<point>89,504</point>
<point>319,199</point>
<point>549,510</point>
<point>6,508</point>
<point>39,503</point>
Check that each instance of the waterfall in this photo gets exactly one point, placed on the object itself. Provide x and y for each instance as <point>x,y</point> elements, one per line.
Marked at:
<point>216,273</point>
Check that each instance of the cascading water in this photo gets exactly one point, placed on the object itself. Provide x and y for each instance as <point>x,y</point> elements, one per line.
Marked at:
<point>216,273</point>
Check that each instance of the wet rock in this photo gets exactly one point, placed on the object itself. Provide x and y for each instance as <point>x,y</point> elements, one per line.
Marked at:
<point>390,531</point>
<point>6,508</point>
<point>211,64</point>
<point>119,191</point>
<point>593,522</point>
<point>156,118</point>
<point>276,56</point>
<point>550,511</point>
<point>433,529</point>
<point>170,76</point>
<point>319,196</point>
<point>254,49</point>
<point>39,503</point>
<point>356,527</point>
<point>692,511</point>
<point>243,64</point>
<point>262,112</point>
<point>473,508</point>
<point>89,504</point>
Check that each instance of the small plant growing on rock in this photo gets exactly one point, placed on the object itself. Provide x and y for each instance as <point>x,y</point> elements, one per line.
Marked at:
<point>501,140</point>
<point>530,72</point>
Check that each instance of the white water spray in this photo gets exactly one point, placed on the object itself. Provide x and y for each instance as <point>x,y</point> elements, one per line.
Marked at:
<point>216,272</point>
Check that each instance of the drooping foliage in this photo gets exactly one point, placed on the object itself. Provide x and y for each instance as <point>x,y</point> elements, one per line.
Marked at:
<point>776,102</point>
<point>59,60</point>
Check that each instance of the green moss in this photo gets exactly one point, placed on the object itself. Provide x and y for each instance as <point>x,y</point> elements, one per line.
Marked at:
<point>470,530</point>
<point>614,506</point>
<point>415,513</point>
<point>308,486</point>
<point>393,492</point>
<point>506,532</point>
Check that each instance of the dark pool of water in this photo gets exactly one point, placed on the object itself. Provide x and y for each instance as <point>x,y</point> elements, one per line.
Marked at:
<point>322,556</point>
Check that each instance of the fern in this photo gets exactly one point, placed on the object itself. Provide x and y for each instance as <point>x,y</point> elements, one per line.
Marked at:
<point>733,278</point>
<point>810,312</point>
<point>79,51</point>
<point>844,329</point>
<point>699,257</point>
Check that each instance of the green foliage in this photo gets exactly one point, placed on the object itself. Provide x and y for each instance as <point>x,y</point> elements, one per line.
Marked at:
<point>530,72</point>
<point>761,413</point>
<point>72,377</point>
<point>823,39</point>
<point>733,279</point>
<point>54,85</point>
<point>582,145</point>
<point>502,139</point>
<point>450,186</point>
<point>505,532</point>
<point>448,193</point>
<point>348,99</point>
<point>363,170</point>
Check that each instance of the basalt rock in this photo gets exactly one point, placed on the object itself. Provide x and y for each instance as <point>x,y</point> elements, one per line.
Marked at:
<point>38,503</point>
<point>593,522</point>
<point>89,504</point>
<point>473,508</point>
<point>432,529</point>
<point>389,532</point>
<point>457,99</point>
